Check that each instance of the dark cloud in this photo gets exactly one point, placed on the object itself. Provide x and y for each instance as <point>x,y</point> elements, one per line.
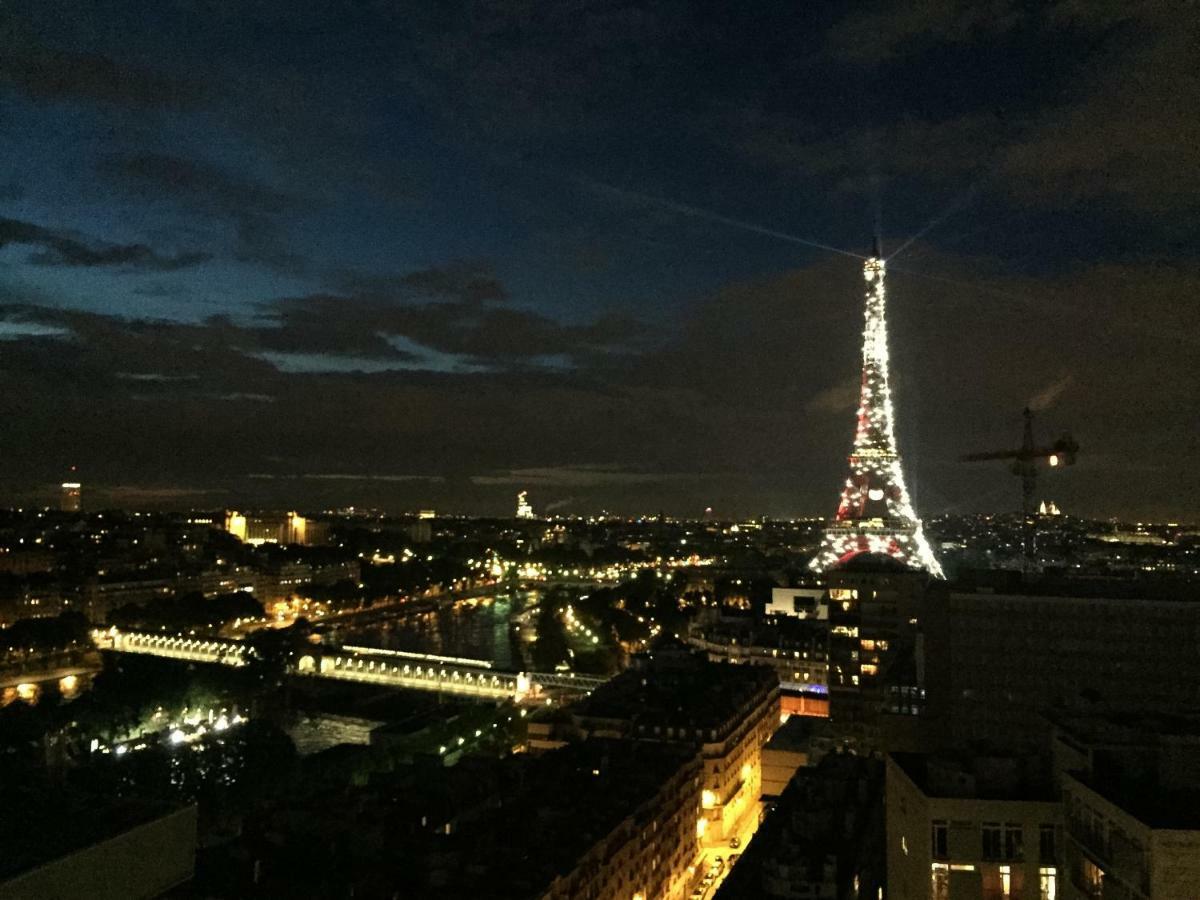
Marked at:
<point>584,476</point>
<point>59,248</point>
<point>44,73</point>
<point>839,398</point>
<point>722,413</point>
<point>255,211</point>
<point>452,310</point>
<point>1049,395</point>
<point>468,282</point>
<point>526,69</point>
<point>883,32</point>
<point>346,476</point>
<point>1112,119</point>
<point>1028,128</point>
<point>205,186</point>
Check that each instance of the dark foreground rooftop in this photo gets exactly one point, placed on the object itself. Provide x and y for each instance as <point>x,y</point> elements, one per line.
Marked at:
<point>570,799</point>
<point>685,693</point>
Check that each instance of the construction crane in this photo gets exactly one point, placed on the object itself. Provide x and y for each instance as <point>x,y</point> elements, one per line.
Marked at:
<point>1026,458</point>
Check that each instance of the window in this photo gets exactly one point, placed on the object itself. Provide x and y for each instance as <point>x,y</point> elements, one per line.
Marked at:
<point>941,840</point>
<point>1014,841</point>
<point>991,840</point>
<point>1092,878</point>
<point>1048,883</point>
<point>941,882</point>
<point>1046,844</point>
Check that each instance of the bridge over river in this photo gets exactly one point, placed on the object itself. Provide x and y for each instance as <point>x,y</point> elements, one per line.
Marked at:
<point>393,668</point>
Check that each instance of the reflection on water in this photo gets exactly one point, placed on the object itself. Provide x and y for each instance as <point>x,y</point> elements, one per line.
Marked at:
<point>478,630</point>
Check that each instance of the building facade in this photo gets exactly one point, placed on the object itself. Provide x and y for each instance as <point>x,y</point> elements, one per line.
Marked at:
<point>970,830</point>
<point>1130,785</point>
<point>996,661</point>
<point>728,712</point>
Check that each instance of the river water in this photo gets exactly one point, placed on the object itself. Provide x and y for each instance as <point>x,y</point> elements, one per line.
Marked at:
<point>474,629</point>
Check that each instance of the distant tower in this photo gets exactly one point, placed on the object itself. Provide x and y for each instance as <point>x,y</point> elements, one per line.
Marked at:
<point>524,510</point>
<point>875,514</point>
<point>71,499</point>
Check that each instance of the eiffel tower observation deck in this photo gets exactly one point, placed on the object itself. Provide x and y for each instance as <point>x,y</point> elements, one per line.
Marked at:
<point>875,514</point>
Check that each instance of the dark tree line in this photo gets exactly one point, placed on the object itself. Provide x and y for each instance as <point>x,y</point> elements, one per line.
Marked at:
<point>39,635</point>
<point>192,610</point>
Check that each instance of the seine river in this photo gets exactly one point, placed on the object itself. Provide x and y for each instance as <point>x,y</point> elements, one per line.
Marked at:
<point>478,630</point>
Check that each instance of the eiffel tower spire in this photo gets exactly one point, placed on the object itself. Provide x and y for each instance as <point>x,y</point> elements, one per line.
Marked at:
<point>875,514</point>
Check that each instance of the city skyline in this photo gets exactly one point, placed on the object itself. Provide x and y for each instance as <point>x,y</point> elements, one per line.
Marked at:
<point>411,263</point>
<point>544,449</point>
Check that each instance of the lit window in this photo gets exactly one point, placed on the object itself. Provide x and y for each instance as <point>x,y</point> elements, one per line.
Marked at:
<point>1048,882</point>
<point>1093,878</point>
<point>940,874</point>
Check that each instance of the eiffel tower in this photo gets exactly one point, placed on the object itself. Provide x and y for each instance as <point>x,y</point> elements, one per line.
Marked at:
<point>875,514</point>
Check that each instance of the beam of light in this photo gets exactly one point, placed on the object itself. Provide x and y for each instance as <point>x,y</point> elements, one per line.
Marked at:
<point>698,213</point>
<point>951,208</point>
<point>975,286</point>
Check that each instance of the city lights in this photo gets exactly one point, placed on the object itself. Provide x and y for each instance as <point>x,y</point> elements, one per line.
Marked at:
<point>460,516</point>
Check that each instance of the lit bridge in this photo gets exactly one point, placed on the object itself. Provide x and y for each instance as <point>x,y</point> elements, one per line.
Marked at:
<point>392,668</point>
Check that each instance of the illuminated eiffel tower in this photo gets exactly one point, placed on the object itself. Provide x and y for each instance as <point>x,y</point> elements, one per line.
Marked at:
<point>875,514</point>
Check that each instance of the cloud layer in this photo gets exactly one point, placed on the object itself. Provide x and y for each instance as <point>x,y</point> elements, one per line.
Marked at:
<point>427,254</point>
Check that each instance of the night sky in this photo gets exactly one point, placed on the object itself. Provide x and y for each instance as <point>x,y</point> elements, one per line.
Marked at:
<point>428,254</point>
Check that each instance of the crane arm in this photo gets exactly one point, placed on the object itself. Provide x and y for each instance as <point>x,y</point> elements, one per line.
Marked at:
<point>995,454</point>
<point>1064,447</point>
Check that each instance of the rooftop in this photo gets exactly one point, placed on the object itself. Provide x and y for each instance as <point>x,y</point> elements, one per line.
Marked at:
<point>977,777</point>
<point>821,823</point>
<point>1123,726</point>
<point>570,800</point>
<point>52,821</point>
<point>1144,798</point>
<point>689,693</point>
<point>1141,760</point>
<point>794,734</point>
